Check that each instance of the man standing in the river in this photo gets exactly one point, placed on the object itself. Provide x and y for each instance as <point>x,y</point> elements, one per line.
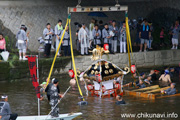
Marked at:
<point>54,98</point>
<point>48,88</point>
<point>5,110</point>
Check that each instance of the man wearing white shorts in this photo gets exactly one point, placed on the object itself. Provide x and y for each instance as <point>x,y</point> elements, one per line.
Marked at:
<point>175,43</point>
<point>22,42</point>
<point>175,37</point>
<point>144,34</point>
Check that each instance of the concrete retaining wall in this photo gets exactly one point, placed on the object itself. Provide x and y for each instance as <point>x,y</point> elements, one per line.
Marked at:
<point>152,59</point>
<point>141,59</point>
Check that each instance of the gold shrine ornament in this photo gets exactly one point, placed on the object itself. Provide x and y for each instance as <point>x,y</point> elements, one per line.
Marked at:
<point>111,71</point>
<point>107,66</point>
<point>120,72</point>
<point>92,72</point>
<point>96,73</point>
<point>106,72</point>
<point>114,66</point>
<point>95,67</point>
<point>97,53</point>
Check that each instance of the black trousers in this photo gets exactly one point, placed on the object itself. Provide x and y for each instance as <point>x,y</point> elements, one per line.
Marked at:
<point>47,49</point>
<point>48,96</point>
<point>161,40</point>
<point>67,51</point>
<point>1,50</point>
<point>13,116</point>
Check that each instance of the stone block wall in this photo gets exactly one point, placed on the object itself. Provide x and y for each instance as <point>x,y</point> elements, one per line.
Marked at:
<point>20,69</point>
<point>154,59</point>
<point>141,59</point>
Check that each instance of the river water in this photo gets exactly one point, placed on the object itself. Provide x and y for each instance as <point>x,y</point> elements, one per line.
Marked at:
<point>23,101</point>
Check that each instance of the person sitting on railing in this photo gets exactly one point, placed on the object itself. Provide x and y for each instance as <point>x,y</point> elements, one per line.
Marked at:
<point>171,90</point>
<point>2,43</point>
<point>120,100</point>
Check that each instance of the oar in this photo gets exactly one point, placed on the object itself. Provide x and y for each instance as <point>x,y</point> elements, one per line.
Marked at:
<point>58,102</point>
<point>157,90</point>
<point>147,88</point>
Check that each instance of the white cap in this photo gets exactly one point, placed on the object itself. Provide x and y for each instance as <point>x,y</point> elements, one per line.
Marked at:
<point>4,96</point>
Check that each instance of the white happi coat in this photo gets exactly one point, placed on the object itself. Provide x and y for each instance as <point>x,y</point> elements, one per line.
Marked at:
<point>91,31</point>
<point>83,36</point>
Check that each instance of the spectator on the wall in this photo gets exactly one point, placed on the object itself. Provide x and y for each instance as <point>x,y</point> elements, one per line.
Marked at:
<point>48,35</point>
<point>22,42</point>
<point>162,37</point>
<point>175,35</point>
<point>2,43</point>
<point>144,35</point>
<point>137,40</point>
<point>151,37</point>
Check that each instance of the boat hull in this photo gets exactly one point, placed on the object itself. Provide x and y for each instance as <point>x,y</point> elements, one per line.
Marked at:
<point>45,117</point>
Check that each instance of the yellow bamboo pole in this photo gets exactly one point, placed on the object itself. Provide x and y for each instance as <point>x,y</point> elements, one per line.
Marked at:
<point>127,36</point>
<point>52,66</point>
<point>72,54</point>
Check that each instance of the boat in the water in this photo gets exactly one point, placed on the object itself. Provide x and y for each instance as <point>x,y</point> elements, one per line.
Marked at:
<point>46,117</point>
<point>152,92</point>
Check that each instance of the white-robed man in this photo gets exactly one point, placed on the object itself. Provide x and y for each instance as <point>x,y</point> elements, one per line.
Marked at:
<point>84,39</point>
<point>114,29</point>
<point>91,28</point>
<point>97,36</point>
<point>58,30</point>
<point>122,39</point>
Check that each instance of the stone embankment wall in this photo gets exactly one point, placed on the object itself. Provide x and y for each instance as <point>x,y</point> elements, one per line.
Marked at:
<point>141,59</point>
<point>20,69</point>
<point>154,59</point>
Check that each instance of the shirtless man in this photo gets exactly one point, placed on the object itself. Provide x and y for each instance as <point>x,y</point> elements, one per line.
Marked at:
<point>165,77</point>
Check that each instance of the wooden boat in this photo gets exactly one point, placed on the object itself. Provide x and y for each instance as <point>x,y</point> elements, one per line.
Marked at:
<point>140,94</point>
<point>45,117</point>
<point>167,96</point>
<point>152,92</point>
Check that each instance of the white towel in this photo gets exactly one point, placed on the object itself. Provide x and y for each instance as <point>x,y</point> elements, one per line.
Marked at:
<point>96,85</point>
<point>108,84</point>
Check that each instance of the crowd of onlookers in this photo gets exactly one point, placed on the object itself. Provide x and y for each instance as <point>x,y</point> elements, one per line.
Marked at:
<point>111,35</point>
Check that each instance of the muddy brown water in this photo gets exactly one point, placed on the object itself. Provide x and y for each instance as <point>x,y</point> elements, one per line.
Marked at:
<point>23,101</point>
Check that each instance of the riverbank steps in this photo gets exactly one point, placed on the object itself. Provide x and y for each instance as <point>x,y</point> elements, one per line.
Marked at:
<point>153,59</point>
